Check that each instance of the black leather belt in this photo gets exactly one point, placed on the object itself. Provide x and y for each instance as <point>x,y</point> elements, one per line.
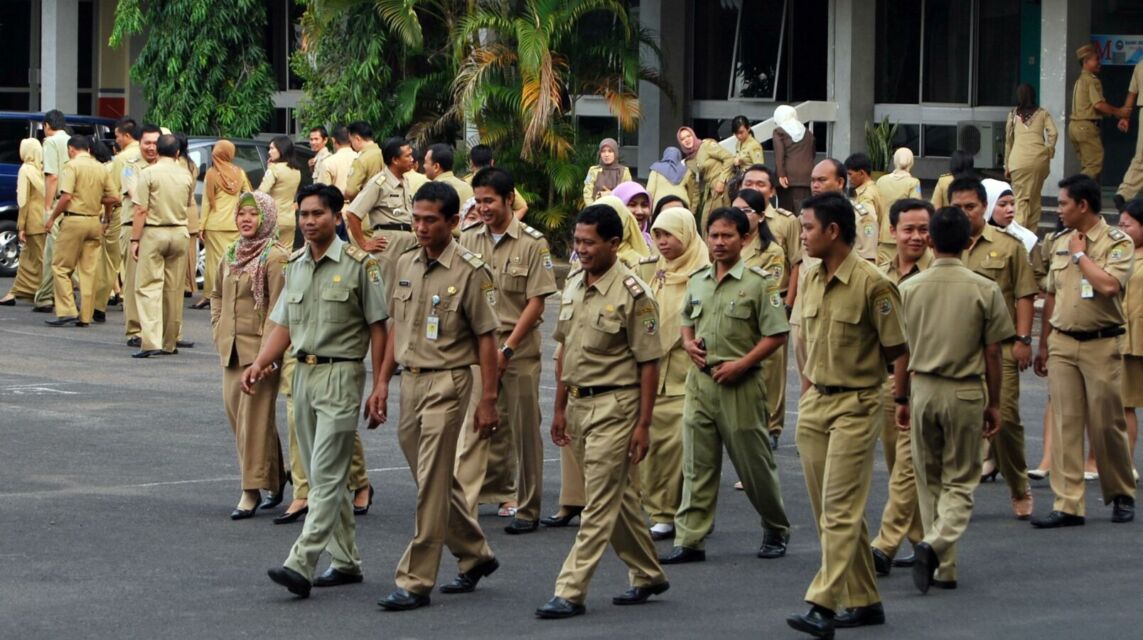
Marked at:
<point>309,358</point>
<point>393,226</point>
<point>428,370</point>
<point>79,215</point>
<point>828,390</point>
<point>709,369</point>
<point>1084,336</point>
<point>587,392</point>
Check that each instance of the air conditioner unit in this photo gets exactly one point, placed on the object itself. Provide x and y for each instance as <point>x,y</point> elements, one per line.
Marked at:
<point>984,140</point>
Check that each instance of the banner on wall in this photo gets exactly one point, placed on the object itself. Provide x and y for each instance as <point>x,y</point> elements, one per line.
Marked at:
<point>1119,50</point>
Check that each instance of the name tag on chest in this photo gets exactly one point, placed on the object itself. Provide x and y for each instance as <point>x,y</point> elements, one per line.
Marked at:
<point>432,327</point>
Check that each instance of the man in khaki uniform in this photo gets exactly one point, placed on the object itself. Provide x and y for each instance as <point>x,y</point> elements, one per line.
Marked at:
<point>55,156</point>
<point>852,330</point>
<point>1132,182</point>
<point>164,193</point>
<point>111,264</point>
<point>145,155</point>
<point>443,323</point>
<point>480,157</point>
<point>369,161</point>
<point>438,167</point>
<point>1079,353</point>
<point>859,169</point>
<point>331,314</point>
<point>607,372</point>
<point>947,400</point>
<point>1004,260</point>
<point>385,206</point>
<point>319,144</point>
<point>732,320</point>
<point>336,168</point>
<point>85,187</point>
<point>522,271</point>
<point>1088,108</point>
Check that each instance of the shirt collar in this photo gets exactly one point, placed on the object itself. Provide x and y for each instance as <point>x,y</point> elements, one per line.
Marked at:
<point>333,252</point>
<point>1098,230</point>
<point>735,271</point>
<point>444,259</point>
<point>603,284</point>
<point>844,271</point>
<point>391,179</point>
<point>893,268</point>
<point>513,230</point>
<point>946,262</point>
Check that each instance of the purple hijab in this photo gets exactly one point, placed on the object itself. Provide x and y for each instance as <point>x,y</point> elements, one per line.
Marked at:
<point>671,166</point>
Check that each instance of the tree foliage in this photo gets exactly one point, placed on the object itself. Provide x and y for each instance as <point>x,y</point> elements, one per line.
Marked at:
<point>203,68</point>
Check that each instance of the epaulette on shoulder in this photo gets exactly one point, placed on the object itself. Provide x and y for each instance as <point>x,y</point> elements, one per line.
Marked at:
<point>859,207</point>
<point>634,287</point>
<point>356,254</point>
<point>415,247</point>
<point>785,212</point>
<point>762,272</point>
<point>297,254</point>
<point>1116,234</point>
<point>472,226</point>
<point>698,271</point>
<point>472,259</point>
<point>574,272</point>
<point>1059,234</point>
<point>649,260</point>
<point>532,231</point>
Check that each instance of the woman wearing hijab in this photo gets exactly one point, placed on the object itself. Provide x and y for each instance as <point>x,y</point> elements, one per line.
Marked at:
<point>671,177</point>
<point>281,181</point>
<point>221,188</point>
<point>1029,144</point>
<point>633,247</point>
<point>250,279</point>
<point>793,157</point>
<point>681,253</point>
<point>606,175</point>
<point>638,202</point>
<point>713,165</point>
<point>1001,210</point>
<point>29,222</point>
<point>898,185</point>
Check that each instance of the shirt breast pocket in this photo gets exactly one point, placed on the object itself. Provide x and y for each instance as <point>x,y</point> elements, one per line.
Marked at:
<point>514,279</point>
<point>449,311</point>
<point>335,305</point>
<point>296,312</point>
<point>603,336</point>
<point>739,310</point>
<point>401,301</point>
<point>991,268</point>
<point>844,326</point>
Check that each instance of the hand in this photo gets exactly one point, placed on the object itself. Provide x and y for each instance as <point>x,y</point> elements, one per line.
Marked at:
<point>991,422</point>
<point>640,443</point>
<point>377,406</point>
<point>1124,124</point>
<point>23,237</point>
<point>501,364</point>
<point>696,352</point>
<point>376,245</point>
<point>1077,242</point>
<point>904,417</point>
<point>251,375</point>
<point>719,188</point>
<point>729,372</point>
<point>103,227</point>
<point>487,418</point>
<point>135,251</point>
<point>1023,355</point>
<point>560,430</point>
<point>785,182</point>
<point>1041,365</point>
<point>1007,174</point>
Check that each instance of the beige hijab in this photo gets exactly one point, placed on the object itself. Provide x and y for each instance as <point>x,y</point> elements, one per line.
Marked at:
<point>32,154</point>
<point>671,276</point>
<point>633,247</point>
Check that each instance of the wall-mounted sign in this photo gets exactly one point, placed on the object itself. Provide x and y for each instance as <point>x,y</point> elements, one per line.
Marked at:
<point>1119,50</point>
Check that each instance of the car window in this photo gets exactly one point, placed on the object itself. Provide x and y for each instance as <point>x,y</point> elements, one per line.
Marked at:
<point>11,133</point>
<point>198,156</point>
<point>248,159</point>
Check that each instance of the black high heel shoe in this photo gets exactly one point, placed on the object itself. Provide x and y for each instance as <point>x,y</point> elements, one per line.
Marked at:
<point>556,520</point>
<point>274,498</point>
<point>360,511</point>
<point>989,475</point>
<point>242,514</point>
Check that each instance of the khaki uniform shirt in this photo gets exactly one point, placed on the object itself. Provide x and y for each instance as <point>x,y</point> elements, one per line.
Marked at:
<point>749,152</point>
<point>1133,305</point>
<point>166,191</point>
<point>237,326</point>
<point>87,181</point>
<point>55,156</point>
<point>1114,252</point>
<point>368,163</point>
<point>319,160</point>
<point>518,202</point>
<point>384,200</point>
<point>1029,144</point>
<point>129,180</point>
<point>1136,84</point>
<point>951,290</point>
<point>607,329</point>
<point>787,232</point>
<point>463,189</point>
<point>847,321</point>
<point>1087,93</point>
<point>521,265</point>
<point>281,182</point>
<point>866,242</point>
<point>893,187</point>
<point>673,365</point>
<point>1004,260</point>
<point>772,261</point>
<point>335,169</point>
<point>730,316</point>
<point>892,269</point>
<point>869,195</point>
<point>328,305</point>
<point>128,157</point>
<point>416,180</point>
<point>941,191</point>
<point>441,306</point>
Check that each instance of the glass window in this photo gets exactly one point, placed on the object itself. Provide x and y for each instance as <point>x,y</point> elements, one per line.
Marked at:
<point>85,40</point>
<point>939,140</point>
<point>736,48</point>
<point>198,156</point>
<point>947,51</point>
<point>908,135</point>
<point>247,158</point>
<point>898,57</point>
<point>805,60</point>
<point>16,101</point>
<point>15,33</point>
<point>998,52</point>
<point>11,133</point>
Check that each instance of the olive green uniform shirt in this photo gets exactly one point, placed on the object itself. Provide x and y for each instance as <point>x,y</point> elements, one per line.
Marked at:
<point>521,265</point>
<point>1004,260</point>
<point>368,163</point>
<point>730,316</point>
<point>166,191</point>
<point>1114,252</point>
<point>384,200</point>
<point>1087,93</point>
<point>87,181</point>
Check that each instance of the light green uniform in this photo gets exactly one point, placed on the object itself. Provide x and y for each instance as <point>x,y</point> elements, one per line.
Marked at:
<point>55,157</point>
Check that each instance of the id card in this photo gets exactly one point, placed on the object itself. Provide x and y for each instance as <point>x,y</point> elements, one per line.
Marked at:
<point>1086,290</point>
<point>432,327</point>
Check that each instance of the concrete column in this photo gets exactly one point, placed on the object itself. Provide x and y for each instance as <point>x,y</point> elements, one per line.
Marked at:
<point>852,29</point>
<point>1066,26</point>
<point>59,55</point>
<point>661,118</point>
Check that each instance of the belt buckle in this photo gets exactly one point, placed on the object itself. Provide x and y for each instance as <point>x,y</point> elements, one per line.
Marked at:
<point>573,391</point>
<point>414,370</point>
<point>311,359</point>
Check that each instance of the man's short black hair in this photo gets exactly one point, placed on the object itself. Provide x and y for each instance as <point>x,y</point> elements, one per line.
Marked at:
<point>329,195</point>
<point>663,201</point>
<point>79,143</point>
<point>497,179</point>
<point>859,162</point>
<point>127,126</point>
<point>360,128</point>
<point>322,130</point>
<point>967,183</point>
<point>950,230</point>
<point>770,175</point>
<point>341,134</point>
<point>56,120</point>
<point>442,155</point>
<point>1082,187</point>
<point>839,171</point>
<point>833,208</point>
<point>907,204</point>
<point>149,128</point>
<point>733,215</point>
<point>605,220</point>
<point>480,156</point>
<point>168,146</point>
<point>391,150</point>
<point>443,194</point>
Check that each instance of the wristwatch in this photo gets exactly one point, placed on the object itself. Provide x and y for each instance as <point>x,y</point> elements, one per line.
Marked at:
<point>901,399</point>
<point>1077,256</point>
<point>507,351</point>
<point>1025,339</point>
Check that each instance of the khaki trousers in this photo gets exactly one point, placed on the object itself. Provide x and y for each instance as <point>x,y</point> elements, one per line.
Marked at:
<point>1008,445</point>
<point>499,484</point>
<point>130,266</point>
<point>255,429</point>
<point>837,435</point>
<point>76,252</point>
<point>327,398</point>
<point>432,410</point>
<point>661,473</point>
<point>216,243</point>
<point>573,493</point>
<point>947,418</point>
<point>734,415</point>
<point>159,286</point>
<point>774,377</point>
<point>1083,381</point>
<point>31,268</point>
<point>192,263</point>
<point>1132,182</point>
<point>472,450</point>
<point>110,262</point>
<point>901,518</point>
<point>600,428</point>
<point>1084,135</point>
<point>45,293</point>
<point>1027,185</point>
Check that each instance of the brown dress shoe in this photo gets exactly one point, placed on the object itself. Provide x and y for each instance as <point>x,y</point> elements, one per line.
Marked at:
<point>1022,507</point>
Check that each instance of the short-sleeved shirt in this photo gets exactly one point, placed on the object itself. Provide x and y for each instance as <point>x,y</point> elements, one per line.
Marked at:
<point>462,188</point>
<point>892,269</point>
<point>166,190</point>
<point>869,195</point>
<point>329,304</point>
<point>607,328</point>
<point>946,290</point>
<point>865,217</point>
<point>846,322</point>
<point>55,153</point>
<point>1136,85</point>
<point>123,168</point>
<point>335,169</point>
<point>281,182</point>
<point>1087,93</point>
<point>787,232</point>
<point>1004,260</point>
<point>730,316</point>
<point>319,160</point>
<point>384,200</point>
<point>441,306</point>
<point>771,260</point>
<point>1110,249</point>
<point>368,163</point>
<point>521,265</point>
<point>87,181</point>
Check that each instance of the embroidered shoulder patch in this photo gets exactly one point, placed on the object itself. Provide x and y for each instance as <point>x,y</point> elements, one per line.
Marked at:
<point>649,260</point>
<point>356,254</point>
<point>532,231</point>
<point>546,258</point>
<point>634,287</point>
<point>884,305</point>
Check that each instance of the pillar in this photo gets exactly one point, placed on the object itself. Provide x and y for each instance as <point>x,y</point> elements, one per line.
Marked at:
<point>666,20</point>
<point>850,83</point>
<point>59,55</point>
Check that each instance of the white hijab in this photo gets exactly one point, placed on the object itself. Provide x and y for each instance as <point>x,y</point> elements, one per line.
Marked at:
<point>786,117</point>
<point>995,189</point>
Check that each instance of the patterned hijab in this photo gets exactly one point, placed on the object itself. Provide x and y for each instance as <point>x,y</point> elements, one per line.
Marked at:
<point>250,255</point>
<point>223,172</point>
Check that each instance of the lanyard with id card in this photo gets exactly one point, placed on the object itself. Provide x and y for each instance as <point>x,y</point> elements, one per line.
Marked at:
<point>433,321</point>
<point>1087,292</point>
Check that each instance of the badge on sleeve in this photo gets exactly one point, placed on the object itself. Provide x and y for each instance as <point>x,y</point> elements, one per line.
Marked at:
<point>490,293</point>
<point>546,256</point>
<point>884,306</point>
<point>1117,254</point>
<point>373,272</point>
<point>870,231</point>
<point>650,326</point>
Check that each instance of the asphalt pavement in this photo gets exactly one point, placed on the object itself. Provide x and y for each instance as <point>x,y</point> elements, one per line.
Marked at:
<point>117,477</point>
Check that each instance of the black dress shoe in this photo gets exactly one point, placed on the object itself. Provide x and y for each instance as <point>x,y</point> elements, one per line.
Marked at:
<point>401,600</point>
<point>556,520</point>
<point>360,511</point>
<point>680,555</point>
<point>773,544</point>
<point>10,302</point>
<point>948,585</point>
<point>61,322</point>
<point>518,526</point>
<point>82,324</point>
<point>925,566</point>
<point>287,518</point>
<point>818,622</point>
<point>99,316</point>
<point>881,562</point>
<point>271,500</point>
<point>1057,519</point>
<point>1124,509</point>
<point>185,344</point>
<point>114,300</point>
<point>558,607</point>
<point>47,308</point>
<point>905,561</point>
<point>860,617</point>
<point>293,581</point>
<point>172,352</point>
<point>242,514</point>
<point>662,535</point>
<point>135,341</point>
<point>466,582</point>
<point>334,578</point>
<point>639,595</point>
<point>147,353</point>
